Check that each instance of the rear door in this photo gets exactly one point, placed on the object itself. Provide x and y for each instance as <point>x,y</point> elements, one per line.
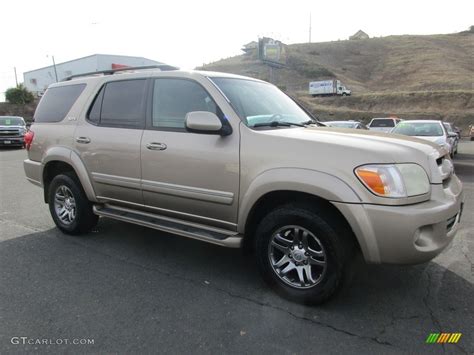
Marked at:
<point>109,139</point>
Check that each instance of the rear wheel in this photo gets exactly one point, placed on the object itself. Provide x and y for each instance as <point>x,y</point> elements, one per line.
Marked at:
<point>302,253</point>
<point>71,210</point>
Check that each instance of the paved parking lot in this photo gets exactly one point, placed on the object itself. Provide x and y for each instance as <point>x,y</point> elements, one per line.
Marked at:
<point>132,289</point>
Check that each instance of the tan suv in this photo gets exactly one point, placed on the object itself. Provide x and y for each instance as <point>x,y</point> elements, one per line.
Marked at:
<point>234,161</point>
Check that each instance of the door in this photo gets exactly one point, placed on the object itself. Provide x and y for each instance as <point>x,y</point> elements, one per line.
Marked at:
<point>108,141</point>
<point>189,176</point>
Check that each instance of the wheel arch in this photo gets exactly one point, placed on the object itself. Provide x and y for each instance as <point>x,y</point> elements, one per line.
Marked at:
<point>59,160</point>
<point>278,186</point>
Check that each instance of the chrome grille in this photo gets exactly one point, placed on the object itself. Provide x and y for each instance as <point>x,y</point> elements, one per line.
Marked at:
<point>9,133</point>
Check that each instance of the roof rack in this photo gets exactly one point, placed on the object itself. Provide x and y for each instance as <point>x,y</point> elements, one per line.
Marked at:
<point>162,67</point>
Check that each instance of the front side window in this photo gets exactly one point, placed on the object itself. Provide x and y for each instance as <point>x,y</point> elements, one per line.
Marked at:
<point>174,98</point>
<point>57,102</point>
<point>260,103</point>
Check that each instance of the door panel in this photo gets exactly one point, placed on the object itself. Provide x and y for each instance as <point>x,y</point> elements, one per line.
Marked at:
<point>113,160</point>
<point>109,140</point>
<point>192,176</point>
<point>196,174</point>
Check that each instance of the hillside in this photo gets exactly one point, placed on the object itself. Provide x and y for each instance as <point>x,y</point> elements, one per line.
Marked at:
<point>413,76</point>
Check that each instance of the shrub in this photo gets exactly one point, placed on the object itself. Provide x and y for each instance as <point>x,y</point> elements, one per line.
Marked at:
<point>19,95</point>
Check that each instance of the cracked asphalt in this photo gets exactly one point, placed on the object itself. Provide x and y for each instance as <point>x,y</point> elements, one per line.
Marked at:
<point>136,290</point>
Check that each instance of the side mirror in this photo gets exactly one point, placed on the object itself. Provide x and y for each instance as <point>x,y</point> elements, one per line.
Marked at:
<point>204,122</point>
<point>452,135</point>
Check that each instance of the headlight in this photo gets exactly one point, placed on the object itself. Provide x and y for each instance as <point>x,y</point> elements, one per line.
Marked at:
<point>22,131</point>
<point>395,180</point>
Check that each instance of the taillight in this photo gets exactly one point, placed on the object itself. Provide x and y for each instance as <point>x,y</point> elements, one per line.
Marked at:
<point>28,139</point>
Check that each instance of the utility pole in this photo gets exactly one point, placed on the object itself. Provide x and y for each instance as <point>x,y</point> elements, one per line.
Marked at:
<point>55,71</point>
<point>16,78</point>
<point>310,27</point>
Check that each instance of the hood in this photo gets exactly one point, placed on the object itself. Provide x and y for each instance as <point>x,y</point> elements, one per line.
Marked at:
<point>363,145</point>
<point>381,129</point>
<point>430,139</point>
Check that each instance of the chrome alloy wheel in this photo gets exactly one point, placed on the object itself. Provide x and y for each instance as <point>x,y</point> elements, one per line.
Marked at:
<point>297,257</point>
<point>65,204</point>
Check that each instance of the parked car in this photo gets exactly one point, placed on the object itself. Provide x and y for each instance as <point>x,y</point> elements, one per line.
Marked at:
<point>233,161</point>
<point>431,130</point>
<point>346,124</point>
<point>471,132</point>
<point>453,136</point>
<point>12,131</point>
<point>383,124</point>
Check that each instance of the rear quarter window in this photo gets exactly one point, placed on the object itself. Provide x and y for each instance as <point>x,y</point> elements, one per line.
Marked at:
<point>57,102</point>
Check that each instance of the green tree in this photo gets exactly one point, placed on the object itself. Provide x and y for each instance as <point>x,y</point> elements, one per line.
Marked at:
<point>19,95</point>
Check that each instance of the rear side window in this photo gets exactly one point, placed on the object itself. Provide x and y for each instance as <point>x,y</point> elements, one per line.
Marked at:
<point>123,103</point>
<point>57,102</point>
<point>174,98</point>
<point>382,122</point>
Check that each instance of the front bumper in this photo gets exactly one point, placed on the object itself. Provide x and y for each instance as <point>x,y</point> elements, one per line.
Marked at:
<point>8,141</point>
<point>407,234</point>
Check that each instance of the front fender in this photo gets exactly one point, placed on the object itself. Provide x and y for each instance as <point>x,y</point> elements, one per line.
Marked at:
<point>68,156</point>
<point>317,183</point>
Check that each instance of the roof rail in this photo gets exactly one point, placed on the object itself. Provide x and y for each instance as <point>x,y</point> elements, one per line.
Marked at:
<point>162,67</point>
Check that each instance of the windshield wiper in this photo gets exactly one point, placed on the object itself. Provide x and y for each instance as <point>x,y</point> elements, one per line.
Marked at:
<point>277,124</point>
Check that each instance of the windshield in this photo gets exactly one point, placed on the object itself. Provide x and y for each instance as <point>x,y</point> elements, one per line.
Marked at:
<point>260,103</point>
<point>420,129</point>
<point>341,124</point>
<point>11,121</point>
<point>382,122</point>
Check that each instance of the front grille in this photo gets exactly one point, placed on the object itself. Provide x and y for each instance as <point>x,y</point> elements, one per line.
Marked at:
<point>11,133</point>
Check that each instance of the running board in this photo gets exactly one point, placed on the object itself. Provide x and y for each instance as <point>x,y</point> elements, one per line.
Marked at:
<point>166,224</point>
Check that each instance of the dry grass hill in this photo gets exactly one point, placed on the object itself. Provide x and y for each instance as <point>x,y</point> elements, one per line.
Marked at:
<point>409,76</point>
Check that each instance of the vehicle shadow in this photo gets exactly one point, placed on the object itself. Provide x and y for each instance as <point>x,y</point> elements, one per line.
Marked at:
<point>100,277</point>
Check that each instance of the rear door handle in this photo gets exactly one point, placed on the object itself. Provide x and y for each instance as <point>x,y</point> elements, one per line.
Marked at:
<point>83,140</point>
<point>156,146</point>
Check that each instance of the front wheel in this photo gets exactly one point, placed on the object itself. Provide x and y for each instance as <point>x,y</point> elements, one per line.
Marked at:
<point>71,210</point>
<point>302,253</point>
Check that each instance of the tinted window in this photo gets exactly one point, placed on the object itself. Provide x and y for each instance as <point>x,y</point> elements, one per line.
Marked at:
<point>94,111</point>
<point>174,98</point>
<point>57,102</point>
<point>123,103</point>
<point>382,122</point>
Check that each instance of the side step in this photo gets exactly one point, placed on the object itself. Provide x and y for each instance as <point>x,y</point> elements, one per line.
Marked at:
<point>187,229</point>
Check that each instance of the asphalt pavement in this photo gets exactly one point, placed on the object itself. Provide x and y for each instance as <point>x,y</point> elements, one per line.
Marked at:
<point>128,289</point>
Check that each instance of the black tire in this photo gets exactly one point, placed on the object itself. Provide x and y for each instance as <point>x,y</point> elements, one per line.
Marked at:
<point>84,219</point>
<point>334,237</point>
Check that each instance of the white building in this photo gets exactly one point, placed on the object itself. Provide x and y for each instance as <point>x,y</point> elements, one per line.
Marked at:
<point>38,80</point>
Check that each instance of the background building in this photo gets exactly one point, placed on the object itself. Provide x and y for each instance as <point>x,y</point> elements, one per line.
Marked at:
<point>359,35</point>
<point>38,80</point>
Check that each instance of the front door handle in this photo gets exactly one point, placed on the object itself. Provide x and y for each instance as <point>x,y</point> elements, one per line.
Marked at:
<point>83,140</point>
<point>156,146</point>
